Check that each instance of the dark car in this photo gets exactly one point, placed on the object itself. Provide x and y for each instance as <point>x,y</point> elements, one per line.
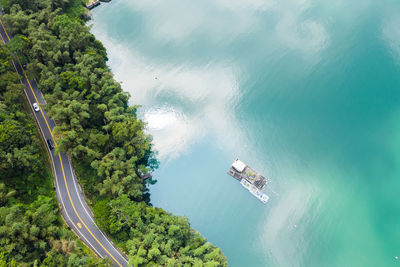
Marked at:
<point>50,143</point>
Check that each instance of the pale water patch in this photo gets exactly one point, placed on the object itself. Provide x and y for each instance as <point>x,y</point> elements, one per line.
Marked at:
<point>179,22</point>
<point>203,98</point>
<point>285,227</point>
<point>162,119</point>
<point>169,128</point>
<point>307,36</point>
<point>391,34</point>
<point>247,5</point>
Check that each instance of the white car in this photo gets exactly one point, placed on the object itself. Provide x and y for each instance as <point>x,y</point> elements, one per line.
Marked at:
<point>35,107</point>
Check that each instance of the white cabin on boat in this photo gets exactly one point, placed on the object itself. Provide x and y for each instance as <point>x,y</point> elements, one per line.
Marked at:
<point>249,179</point>
<point>239,165</point>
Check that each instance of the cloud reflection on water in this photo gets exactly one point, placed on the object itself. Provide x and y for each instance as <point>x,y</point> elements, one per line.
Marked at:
<point>185,101</point>
<point>179,21</point>
<point>181,103</point>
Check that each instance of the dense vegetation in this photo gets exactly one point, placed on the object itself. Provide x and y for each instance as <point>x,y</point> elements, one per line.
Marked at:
<point>31,229</point>
<point>101,132</point>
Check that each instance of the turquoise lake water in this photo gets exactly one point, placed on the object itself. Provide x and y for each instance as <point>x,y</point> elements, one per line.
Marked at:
<point>306,92</point>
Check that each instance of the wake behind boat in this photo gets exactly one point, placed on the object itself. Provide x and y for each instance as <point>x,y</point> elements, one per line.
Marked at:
<point>249,179</point>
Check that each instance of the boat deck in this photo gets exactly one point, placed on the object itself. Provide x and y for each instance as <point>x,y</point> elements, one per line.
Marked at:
<point>250,175</point>
<point>249,179</point>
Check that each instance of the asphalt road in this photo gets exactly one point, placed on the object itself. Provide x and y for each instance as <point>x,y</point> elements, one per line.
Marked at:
<point>69,194</point>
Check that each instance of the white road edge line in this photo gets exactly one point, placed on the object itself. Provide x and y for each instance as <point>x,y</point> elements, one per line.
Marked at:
<point>58,186</point>
<point>79,195</point>
<point>90,217</point>
<point>66,213</point>
<point>52,165</point>
<point>72,173</point>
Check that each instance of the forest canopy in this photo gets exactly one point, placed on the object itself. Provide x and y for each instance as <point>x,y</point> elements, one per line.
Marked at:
<point>98,128</point>
<point>31,229</point>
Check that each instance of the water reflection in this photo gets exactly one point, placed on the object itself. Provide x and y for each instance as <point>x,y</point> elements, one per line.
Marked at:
<point>291,87</point>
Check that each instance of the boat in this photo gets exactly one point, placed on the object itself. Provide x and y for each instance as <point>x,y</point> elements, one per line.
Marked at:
<point>249,179</point>
<point>92,4</point>
<point>254,191</point>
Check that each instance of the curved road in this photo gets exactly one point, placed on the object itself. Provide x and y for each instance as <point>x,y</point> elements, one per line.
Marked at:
<point>69,194</point>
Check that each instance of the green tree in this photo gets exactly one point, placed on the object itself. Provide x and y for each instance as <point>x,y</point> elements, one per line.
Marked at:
<point>19,45</point>
<point>31,230</point>
<point>103,135</point>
